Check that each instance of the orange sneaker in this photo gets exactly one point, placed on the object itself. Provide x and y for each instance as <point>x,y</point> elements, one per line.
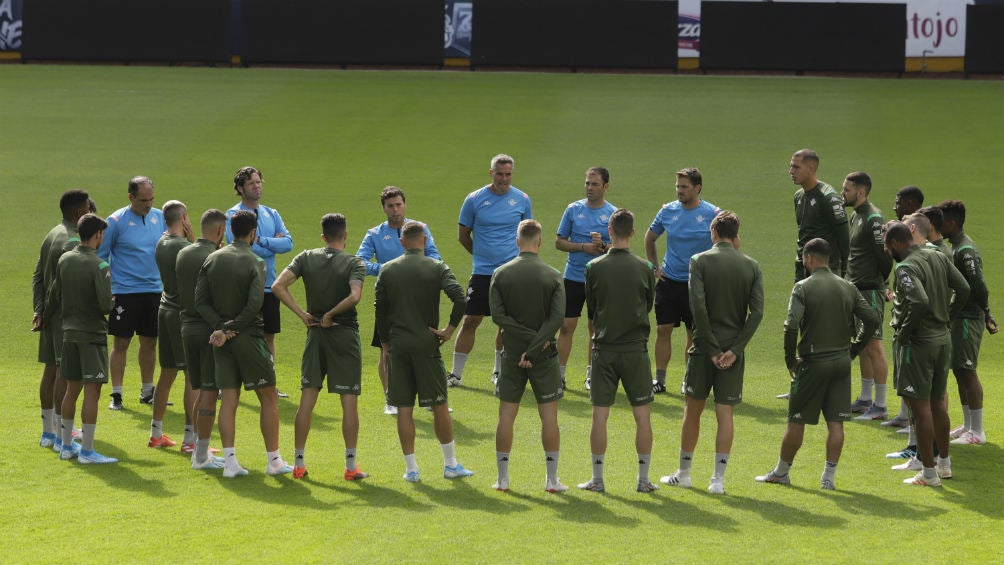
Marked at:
<point>299,472</point>
<point>355,474</point>
<point>162,441</point>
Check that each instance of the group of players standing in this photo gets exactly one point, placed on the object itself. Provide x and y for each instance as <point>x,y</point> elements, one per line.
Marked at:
<point>216,311</point>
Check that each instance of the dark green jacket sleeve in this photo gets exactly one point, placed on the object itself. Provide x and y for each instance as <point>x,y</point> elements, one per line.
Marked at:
<point>555,317</point>
<point>869,323</point>
<point>204,301</point>
<point>970,267</point>
<point>380,305</point>
<point>256,296</point>
<point>957,282</point>
<point>699,307</point>
<point>755,314</point>
<point>915,301</point>
<point>454,292</point>
<point>501,317</point>
<point>103,288</point>
<point>792,323</point>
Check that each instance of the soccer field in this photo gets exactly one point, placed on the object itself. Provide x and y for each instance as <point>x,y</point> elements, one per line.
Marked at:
<point>329,141</point>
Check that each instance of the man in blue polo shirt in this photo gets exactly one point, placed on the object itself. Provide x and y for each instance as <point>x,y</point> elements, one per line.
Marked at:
<point>382,243</point>
<point>582,234</point>
<point>488,221</point>
<point>129,245</point>
<point>687,225</point>
<point>273,238</point>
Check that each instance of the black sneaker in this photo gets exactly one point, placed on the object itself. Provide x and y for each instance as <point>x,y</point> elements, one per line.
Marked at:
<point>116,403</point>
<point>658,388</point>
<point>146,399</point>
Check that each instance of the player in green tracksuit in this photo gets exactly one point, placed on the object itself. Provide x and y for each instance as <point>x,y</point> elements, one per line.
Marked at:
<point>967,327</point>
<point>727,300</point>
<point>178,236</point>
<point>527,301</point>
<point>73,204</point>
<point>333,282</point>
<point>823,310</point>
<point>407,320</point>
<point>195,334</point>
<point>82,292</point>
<point>868,268</point>
<point>923,308</point>
<point>620,289</point>
<point>819,212</point>
<point>228,295</point>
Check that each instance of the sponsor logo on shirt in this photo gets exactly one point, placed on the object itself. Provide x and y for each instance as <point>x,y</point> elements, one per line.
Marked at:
<point>486,203</point>
<point>812,202</point>
<point>604,217</point>
<point>700,219</point>
<point>581,216</point>
<point>512,202</point>
<point>386,237</point>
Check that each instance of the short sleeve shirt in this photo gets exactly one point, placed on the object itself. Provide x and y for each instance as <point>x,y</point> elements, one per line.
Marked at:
<point>688,232</point>
<point>494,218</point>
<point>578,221</point>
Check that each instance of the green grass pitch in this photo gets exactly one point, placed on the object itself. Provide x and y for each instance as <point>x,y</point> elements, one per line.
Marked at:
<point>329,141</point>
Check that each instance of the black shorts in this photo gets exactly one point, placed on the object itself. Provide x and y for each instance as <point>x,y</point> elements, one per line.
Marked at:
<point>477,295</point>
<point>672,303</point>
<point>134,314</point>
<point>270,314</point>
<point>575,298</point>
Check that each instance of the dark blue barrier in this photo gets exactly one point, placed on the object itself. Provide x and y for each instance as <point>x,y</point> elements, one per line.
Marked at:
<point>985,39</point>
<point>10,25</point>
<point>803,37</point>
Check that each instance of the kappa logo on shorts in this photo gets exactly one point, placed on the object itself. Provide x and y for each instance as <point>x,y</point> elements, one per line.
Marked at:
<point>843,415</point>
<point>969,362</point>
<point>796,416</point>
<point>909,388</point>
<point>355,387</point>
<point>261,382</point>
<point>440,398</point>
<point>99,375</point>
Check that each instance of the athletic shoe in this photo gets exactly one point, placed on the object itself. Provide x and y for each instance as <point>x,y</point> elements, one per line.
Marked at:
<point>299,472</point>
<point>47,440</point>
<point>389,410</point>
<point>231,472</point>
<point>897,422</point>
<point>501,485</point>
<point>783,396</point>
<point>278,467</point>
<point>912,464</point>
<point>588,384</point>
<point>920,480</point>
<point>212,463</point>
<point>94,458</point>
<point>562,383</point>
<point>281,394</point>
<point>905,453</point>
<point>772,478</point>
<point>116,403</point>
<point>453,380</point>
<point>874,412</point>
<point>495,377</point>
<point>189,448</point>
<point>658,388</point>
<point>645,485</point>
<point>554,487</point>
<point>356,474</point>
<point>970,438</point>
<point>148,400</point>
<point>904,430</point>
<point>57,444</point>
<point>827,484</point>
<point>957,432</point>
<point>593,485</point>
<point>677,479</point>
<point>162,441</point>
<point>717,487</point>
<point>860,406</point>
<point>69,452</point>
<point>944,470</point>
<point>411,476</point>
<point>456,472</point>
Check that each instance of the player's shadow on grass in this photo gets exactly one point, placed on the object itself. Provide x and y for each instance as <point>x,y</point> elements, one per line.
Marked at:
<point>579,507</point>
<point>362,493</point>
<point>282,489</point>
<point>784,515</point>
<point>425,429</point>
<point>971,487</point>
<point>776,413</point>
<point>865,504</point>
<point>122,476</point>
<point>667,504</point>
<point>467,494</point>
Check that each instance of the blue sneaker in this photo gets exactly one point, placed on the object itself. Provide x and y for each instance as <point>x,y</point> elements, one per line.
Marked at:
<point>411,476</point>
<point>94,458</point>
<point>47,440</point>
<point>68,452</point>
<point>213,462</point>
<point>57,444</point>
<point>456,472</point>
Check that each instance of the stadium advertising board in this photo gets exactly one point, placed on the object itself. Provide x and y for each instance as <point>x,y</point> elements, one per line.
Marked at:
<point>457,28</point>
<point>10,25</point>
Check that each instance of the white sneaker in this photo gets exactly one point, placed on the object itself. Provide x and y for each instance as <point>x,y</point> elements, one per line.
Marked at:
<point>278,467</point>
<point>944,469</point>
<point>920,480</point>
<point>912,464</point>
<point>677,479</point>
<point>231,471</point>
<point>501,484</point>
<point>213,462</point>
<point>957,432</point>
<point>904,430</point>
<point>717,486</point>
<point>970,438</point>
<point>453,380</point>
<point>389,410</point>
<point>554,487</point>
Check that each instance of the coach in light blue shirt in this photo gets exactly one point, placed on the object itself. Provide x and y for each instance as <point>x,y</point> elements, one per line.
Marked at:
<point>488,221</point>
<point>383,243</point>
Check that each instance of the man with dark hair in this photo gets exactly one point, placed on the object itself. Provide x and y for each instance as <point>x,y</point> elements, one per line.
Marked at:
<point>488,218</point>
<point>968,325</point>
<point>179,235</point>
<point>273,239</point>
<point>129,246</point>
<point>410,286</point>
<point>726,297</point>
<point>868,269</point>
<point>824,310</point>
<point>333,282</point>
<point>81,291</point>
<point>908,200</point>
<point>527,301</point>
<point>620,289</point>
<point>382,243</point>
<point>582,234</point>
<point>195,334</point>
<point>73,204</point>
<point>819,212</point>
<point>922,311</point>
<point>228,296</point>
<point>685,221</point>
<point>937,219</point>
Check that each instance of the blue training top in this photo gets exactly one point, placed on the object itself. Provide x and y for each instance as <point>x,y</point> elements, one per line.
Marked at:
<point>494,219</point>
<point>384,244</point>
<point>129,246</point>
<point>688,232</point>
<point>269,244</point>
<point>577,222</point>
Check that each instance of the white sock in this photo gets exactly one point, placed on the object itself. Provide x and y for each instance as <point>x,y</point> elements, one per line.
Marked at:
<point>147,389</point>
<point>410,465</point>
<point>156,428</point>
<point>551,463</point>
<point>904,412</point>
<point>562,369</point>
<point>828,470</point>
<point>589,371</point>
<point>598,466</point>
<point>298,458</point>
<point>976,424</point>
<point>880,393</point>
<point>459,360</point>
<point>117,390</point>
<point>502,463</point>
<point>913,436</point>
<point>190,436</point>
<point>201,450</point>
<point>967,418</point>
<point>350,459</point>
<point>66,431</point>
<point>49,416</point>
<point>87,440</point>
<point>644,460</point>
<point>782,467</point>
<point>498,361</point>
<point>866,389</point>
<point>944,461</point>
<point>449,454</point>
<point>273,458</point>
<point>686,460</point>
<point>721,461</point>
<point>230,458</point>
